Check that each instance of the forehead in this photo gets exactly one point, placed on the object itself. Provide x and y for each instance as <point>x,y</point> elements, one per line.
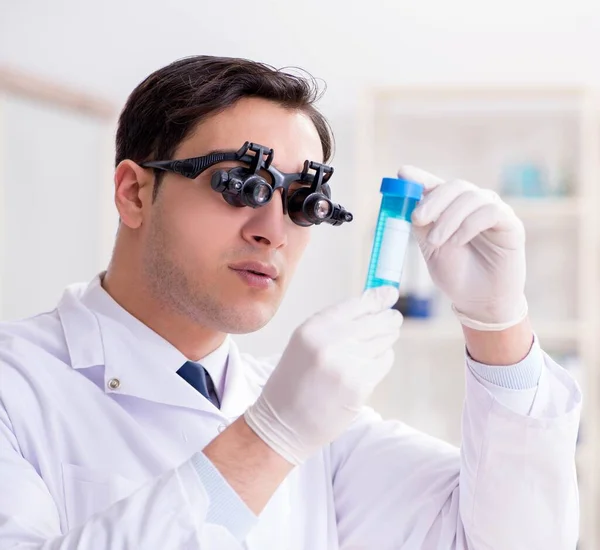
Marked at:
<point>289,132</point>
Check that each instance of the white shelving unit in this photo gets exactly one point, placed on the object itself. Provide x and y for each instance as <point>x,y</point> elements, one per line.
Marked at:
<point>473,134</point>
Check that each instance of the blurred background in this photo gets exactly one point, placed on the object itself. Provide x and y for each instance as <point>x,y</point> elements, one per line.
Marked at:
<point>502,94</point>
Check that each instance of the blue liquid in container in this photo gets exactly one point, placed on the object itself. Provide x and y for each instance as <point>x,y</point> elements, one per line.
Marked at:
<point>399,199</point>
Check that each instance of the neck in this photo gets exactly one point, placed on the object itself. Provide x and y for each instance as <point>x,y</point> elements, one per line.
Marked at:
<point>126,286</point>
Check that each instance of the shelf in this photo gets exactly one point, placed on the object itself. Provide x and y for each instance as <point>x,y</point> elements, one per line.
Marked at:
<point>477,102</point>
<point>470,93</point>
<point>432,329</point>
<point>527,209</point>
<point>546,207</point>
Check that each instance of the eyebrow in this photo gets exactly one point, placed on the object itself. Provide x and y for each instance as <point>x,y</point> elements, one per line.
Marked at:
<point>217,152</point>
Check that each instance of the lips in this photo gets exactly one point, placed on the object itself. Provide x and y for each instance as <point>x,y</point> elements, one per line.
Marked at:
<point>258,268</point>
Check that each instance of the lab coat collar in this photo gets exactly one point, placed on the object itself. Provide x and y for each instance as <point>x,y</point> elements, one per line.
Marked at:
<point>144,364</point>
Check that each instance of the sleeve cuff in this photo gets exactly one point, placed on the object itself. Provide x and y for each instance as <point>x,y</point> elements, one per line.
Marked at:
<point>226,508</point>
<point>520,376</point>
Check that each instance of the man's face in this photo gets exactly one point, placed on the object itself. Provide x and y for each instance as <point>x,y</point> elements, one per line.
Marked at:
<point>198,250</point>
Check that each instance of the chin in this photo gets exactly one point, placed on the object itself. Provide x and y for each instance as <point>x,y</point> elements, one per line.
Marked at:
<point>239,320</point>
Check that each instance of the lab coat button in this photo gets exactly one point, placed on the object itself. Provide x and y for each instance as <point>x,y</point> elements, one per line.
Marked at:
<point>114,383</point>
<point>221,428</point>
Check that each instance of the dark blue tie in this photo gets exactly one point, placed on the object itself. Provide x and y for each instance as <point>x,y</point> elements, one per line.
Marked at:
<point>196,376</point>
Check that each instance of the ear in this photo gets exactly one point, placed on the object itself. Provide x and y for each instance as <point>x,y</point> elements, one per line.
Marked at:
<point>133,192</point>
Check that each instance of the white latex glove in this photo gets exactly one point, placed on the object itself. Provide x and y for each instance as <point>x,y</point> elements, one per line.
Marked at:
<point>474,246</point>
<point>326,374</point>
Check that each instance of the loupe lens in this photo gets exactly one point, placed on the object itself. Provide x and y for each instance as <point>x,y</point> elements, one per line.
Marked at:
<point>306,208</point>
<point>262,193</point>
<point>256,192</point>
<point>322,209</point>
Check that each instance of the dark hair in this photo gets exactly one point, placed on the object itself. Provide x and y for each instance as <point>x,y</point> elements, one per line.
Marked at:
<point>167,106</point>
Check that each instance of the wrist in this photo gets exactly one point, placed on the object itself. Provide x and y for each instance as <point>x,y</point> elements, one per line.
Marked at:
<point>500,348</point>
<point>240,435</point>
<point>249,465</point>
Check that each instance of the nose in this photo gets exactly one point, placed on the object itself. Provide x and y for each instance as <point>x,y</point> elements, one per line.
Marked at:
<point>267,225</point>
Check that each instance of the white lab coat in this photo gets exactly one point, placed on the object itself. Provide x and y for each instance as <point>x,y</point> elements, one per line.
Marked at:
<point>87,467</point>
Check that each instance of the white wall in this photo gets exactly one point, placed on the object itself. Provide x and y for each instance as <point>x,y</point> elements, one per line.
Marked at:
<point>52,215</point>
<point>108,47</point>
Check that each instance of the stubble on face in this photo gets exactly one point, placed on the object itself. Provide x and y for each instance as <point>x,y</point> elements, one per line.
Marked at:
<point>190,294</point>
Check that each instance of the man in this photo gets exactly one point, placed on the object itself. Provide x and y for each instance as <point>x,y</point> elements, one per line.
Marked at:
<point>128,419</point>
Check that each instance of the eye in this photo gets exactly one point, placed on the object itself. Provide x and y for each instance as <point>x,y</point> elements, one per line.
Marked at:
<point>266,176</point>
<point>294,186</point>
